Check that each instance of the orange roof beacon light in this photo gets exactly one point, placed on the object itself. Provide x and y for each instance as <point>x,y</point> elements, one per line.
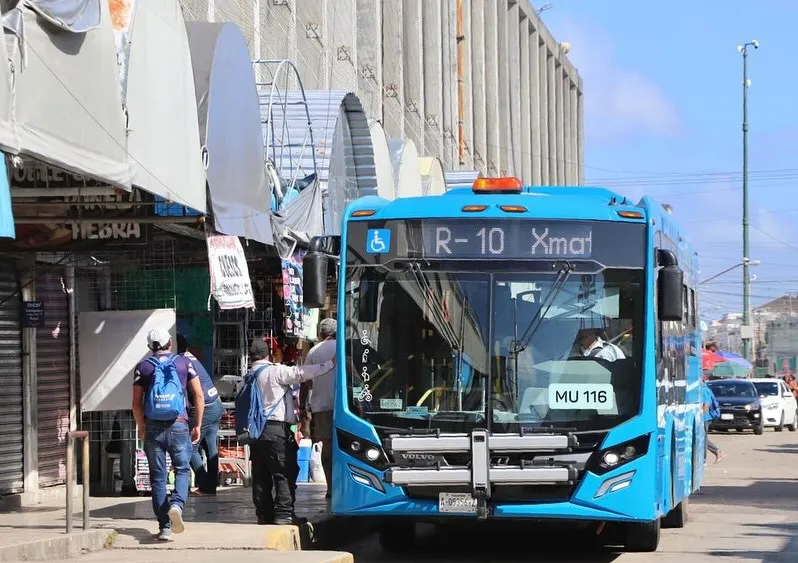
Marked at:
<point>507,185</point>
<point>363,213</point>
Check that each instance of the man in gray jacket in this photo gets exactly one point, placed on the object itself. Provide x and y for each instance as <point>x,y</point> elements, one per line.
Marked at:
<point>274,455</point>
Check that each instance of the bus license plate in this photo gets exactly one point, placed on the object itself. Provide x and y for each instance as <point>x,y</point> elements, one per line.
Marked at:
<point>457,503</point>
<point>727,416</point>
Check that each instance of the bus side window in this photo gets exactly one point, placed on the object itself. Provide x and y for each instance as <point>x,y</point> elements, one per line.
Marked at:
<point>693,309</point>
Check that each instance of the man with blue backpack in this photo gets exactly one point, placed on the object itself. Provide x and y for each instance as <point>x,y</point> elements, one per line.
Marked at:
<point>265,411</point>
<point>711,409</point>
<point>160,385</point>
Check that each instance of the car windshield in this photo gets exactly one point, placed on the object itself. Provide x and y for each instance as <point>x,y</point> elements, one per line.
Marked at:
<point>736,389</point>
<point>456,346</point>
<point>767,389</point>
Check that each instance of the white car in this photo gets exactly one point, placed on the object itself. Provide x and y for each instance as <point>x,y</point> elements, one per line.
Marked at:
<point>779,407</point>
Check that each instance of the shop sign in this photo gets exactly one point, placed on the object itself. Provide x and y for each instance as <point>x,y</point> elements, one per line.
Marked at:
<point>297,318</point>
<point>103,218</point>
<point>32,314</point>
<point>230,282</point>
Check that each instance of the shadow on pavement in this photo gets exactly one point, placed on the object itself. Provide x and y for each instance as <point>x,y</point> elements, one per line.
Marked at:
<point>773,493</point>
<point>782,449</point>
<point>516,543</point>
<point>789,552</point>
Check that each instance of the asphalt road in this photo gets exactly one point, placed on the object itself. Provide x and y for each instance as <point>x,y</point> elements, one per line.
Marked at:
<point>747,511</point>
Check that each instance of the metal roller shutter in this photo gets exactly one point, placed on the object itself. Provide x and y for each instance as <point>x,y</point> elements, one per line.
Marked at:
<point>52,357</point>
<point>11,420</point>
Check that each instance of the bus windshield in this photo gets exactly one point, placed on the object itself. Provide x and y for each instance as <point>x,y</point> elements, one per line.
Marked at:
<point>495,344</point>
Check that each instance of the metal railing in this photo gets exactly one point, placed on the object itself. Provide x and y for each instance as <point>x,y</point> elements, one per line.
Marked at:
<point>70,485</point>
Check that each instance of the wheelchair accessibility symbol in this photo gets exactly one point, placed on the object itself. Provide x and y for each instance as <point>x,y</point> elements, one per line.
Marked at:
<point>378,241</point>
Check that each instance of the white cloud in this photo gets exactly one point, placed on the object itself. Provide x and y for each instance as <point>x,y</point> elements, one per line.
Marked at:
<point>619,102</point>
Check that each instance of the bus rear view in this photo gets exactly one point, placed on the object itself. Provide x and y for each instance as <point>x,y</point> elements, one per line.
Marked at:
<point>494,347</point>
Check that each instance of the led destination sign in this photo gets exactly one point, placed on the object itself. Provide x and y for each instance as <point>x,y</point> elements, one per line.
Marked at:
<point>606,242</point>
<point>476,239</point>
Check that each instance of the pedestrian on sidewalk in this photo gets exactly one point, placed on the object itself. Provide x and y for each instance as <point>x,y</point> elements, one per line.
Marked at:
<point>160,386</point>
<point>322,392</point>
<point>274,454</point>
<point>206,479</point>
<point>711,410</point>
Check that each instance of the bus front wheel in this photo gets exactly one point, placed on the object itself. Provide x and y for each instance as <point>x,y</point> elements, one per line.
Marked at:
<point>397,536</point>
<point>642,537</point>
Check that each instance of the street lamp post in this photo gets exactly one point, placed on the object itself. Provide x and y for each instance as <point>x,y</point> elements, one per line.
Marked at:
<point>743,49</point>
<point>746,263</point>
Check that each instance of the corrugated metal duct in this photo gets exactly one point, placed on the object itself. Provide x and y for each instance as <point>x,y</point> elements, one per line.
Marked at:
<point>52,361</point>
<point>433,180</point>
<point>406,170</point>
<point>11,419</point>
<point>461,178</point>
<point>344,153</point>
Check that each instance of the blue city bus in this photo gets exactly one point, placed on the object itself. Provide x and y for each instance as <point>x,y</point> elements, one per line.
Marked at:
<point>513,353</point>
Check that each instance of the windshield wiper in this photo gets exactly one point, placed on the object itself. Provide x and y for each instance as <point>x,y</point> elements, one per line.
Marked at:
<point>436,307</point>
<point>521,344</point>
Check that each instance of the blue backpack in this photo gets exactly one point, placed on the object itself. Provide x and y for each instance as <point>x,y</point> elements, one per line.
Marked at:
<point>165,399</point>
<point>250,415</point>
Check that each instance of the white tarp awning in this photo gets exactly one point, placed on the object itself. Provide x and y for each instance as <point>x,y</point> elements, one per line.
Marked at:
<point>66,104</point>
<point>163,139</point>
<point>230,130</point>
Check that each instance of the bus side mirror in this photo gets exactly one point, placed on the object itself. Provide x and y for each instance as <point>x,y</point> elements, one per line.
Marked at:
<point>670,285</point>
<point>314,279</point>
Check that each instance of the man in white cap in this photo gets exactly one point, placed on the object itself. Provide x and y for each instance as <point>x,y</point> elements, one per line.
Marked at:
<point>165,434</point>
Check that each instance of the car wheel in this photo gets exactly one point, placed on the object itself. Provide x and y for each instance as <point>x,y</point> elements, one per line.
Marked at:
<point>759,430</point>
<point>794,426</point>
<point>780,427</point>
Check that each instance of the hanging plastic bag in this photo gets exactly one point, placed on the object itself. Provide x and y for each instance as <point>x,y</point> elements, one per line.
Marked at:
<point>316,468</point>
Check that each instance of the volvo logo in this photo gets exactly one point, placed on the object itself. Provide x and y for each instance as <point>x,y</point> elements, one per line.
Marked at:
<point>420,459</point>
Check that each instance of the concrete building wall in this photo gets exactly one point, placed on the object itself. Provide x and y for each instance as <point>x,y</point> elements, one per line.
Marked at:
<point>480,84</point>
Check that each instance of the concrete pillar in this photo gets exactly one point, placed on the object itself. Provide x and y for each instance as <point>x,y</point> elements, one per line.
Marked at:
<point>580,134</point>
<point>543,88</point>
<point>535,106</point>
<point>467,112</point>
<point>514,29</point>
<point>413,58</point>
<point>561,100</point>
<point>278,21</point>
<point>525,126</point>
<point>551,96</point>
<point>433,67</point>
<point>448,16</point>
<point>505,97</point>
<point>569,154</point>
<point>311,56</point>
<point>341,22</point>
<point>492,90</point>
<point>573,113</point>
<point>369,56</point>
<point>393,113</point>
<point>30,407</point>
<point>479,138</point>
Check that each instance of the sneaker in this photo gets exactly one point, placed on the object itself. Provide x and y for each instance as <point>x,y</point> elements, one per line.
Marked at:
<point>165,535</point>
<point>176,517</point>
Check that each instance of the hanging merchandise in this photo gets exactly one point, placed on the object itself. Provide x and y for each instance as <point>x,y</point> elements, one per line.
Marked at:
<point>297,317</point>
<point>230,281</point>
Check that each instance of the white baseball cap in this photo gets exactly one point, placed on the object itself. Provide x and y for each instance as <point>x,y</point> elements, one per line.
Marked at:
<point>158,338</point>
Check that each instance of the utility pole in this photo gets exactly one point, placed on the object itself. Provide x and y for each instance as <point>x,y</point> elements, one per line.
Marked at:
<point>747,329</point>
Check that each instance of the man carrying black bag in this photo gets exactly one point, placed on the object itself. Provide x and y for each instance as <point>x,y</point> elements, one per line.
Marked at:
<point>274,452</point>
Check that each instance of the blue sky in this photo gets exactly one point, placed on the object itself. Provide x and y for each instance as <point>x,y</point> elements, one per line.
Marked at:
<point>663,104</point>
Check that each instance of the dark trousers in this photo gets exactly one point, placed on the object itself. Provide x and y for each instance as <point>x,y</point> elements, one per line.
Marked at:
<point>274,465</point>
<point>208,479</point>
<point>711,447</point>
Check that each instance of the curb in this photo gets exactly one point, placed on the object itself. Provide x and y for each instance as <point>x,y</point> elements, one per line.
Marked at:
<point>63,547</point>
<point>282,538</point>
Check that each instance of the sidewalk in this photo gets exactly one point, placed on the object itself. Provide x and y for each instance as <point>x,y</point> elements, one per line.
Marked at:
<point>126,525</point>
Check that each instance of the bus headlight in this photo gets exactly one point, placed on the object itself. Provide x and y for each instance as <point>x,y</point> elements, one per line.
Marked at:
<point>362,450</point>
<point>604,461</point>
